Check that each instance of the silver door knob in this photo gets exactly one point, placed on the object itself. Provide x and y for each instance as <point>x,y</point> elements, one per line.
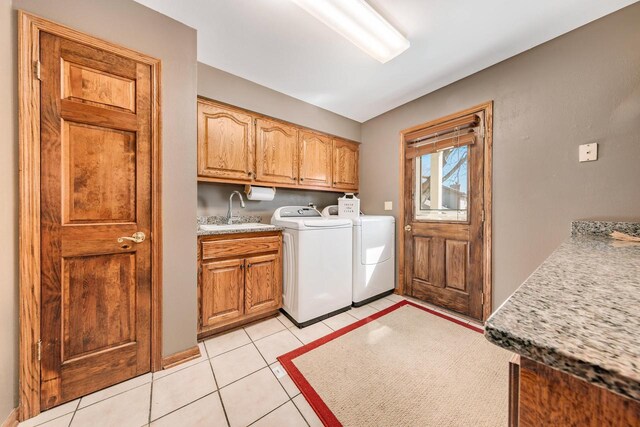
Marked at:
<point>407,228</point>
<point>137,237</point>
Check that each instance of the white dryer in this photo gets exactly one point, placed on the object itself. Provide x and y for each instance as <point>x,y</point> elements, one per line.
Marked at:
<point>373,255</point>
<point>317,264</point>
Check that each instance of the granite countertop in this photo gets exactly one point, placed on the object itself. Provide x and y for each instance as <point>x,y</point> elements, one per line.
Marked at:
<point>222,220</point>
<point>579,312</point>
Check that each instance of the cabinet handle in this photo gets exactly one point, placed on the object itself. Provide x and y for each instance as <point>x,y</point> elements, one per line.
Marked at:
<point>293,178</point>
<point>301,179</point>
<point>248,265</point>
<point>241,266</point>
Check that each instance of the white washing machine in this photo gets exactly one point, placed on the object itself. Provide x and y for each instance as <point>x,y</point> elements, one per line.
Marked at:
<point>373,255</point>
<point>317,264</point>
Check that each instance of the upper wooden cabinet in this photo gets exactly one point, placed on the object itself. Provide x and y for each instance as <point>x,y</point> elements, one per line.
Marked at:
<point>345,164</point>
<point>315,159</point>
<point>225,142</point>
<point>276,152</point>
<point>241,147</point>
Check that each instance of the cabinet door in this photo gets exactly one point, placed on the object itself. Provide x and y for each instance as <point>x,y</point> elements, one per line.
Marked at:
<point>276,152</point>
<point>222,292</point>
<point>315,159</point>
<point>263,284</point>
<point>345,164</point>
<point>225,142</point>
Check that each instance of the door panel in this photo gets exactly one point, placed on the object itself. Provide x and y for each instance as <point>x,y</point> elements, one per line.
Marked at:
<point>276,152</point>
<point>91,86</point>
<point>225,142</point>
<point>315,159</point>
<point>456,264</point>
<point>421,264</point>
<point>106,283</point>
<point>263,287</point>
<point>443,240</point>
<point>95,188</point>
<point>100,173</point>
<point>222,291</point>
<point>345,164</point>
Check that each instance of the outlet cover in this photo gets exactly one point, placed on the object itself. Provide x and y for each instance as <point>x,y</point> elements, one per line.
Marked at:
<point>388,206</point>
<point>279,371</point>
<point>588,152</point>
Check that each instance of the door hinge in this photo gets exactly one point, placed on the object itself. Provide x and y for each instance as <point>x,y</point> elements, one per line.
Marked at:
<point>482,215</point>
<point>36,69</point>
<point>482,298</point>
<point>39,350</point>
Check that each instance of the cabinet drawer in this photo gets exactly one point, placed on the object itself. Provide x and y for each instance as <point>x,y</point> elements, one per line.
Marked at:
<point>239,247</point>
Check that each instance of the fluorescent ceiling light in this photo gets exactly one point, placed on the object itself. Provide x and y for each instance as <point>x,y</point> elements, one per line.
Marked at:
<point>360,24</point>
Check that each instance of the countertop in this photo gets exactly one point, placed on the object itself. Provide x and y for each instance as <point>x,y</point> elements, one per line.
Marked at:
<point>222,220</point>
<point>579,312</point>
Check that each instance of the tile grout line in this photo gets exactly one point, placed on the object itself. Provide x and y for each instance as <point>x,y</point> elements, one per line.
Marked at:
<point>215,380</point>
<point>75,411</point>
<point>150,401</point>
<point>290,399</point>
<point>271,411</point>
<point>182,407</point>
<point>300,412</point>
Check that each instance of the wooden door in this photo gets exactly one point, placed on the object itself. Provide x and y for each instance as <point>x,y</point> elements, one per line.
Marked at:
<point>263,284</point>
<point>225,142</point>
<point>444,257</point>
<point>315,159</point>
<point>345,164</point>
<point>276,152</point>
<point>222,297</point>
<point>95,187</point>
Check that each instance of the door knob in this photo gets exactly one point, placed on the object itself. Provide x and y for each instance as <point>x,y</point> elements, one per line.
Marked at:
<point>137,237</point>
<point>407,228</point>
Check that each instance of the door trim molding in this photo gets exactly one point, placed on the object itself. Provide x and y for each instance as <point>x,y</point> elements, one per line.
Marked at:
<point>29,29</point>
<point>487,282</point>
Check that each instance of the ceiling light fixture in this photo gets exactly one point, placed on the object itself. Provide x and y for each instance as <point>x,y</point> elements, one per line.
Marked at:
<point>359,23</point>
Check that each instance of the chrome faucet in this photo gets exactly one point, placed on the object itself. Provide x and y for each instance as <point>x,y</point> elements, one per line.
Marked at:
<point>230,211</point>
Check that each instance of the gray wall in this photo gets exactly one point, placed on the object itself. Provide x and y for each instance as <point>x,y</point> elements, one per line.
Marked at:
<point>8,213</point>
<point>132,25</point>
<point>221,86</point>
<point>581,87</point>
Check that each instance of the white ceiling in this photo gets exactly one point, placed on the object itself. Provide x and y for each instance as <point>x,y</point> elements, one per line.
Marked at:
<point>277,44</point>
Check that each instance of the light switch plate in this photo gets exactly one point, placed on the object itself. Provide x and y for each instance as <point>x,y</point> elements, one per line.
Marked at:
<point>588,152</point>
<point>388,206</point>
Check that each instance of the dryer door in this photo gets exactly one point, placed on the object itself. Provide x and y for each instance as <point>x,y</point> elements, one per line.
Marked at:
<point>378,241</point>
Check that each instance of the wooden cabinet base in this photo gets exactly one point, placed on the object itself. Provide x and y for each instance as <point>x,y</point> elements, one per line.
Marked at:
<point>548,397</point>
<point>239,280</point>
<point>205,333</point>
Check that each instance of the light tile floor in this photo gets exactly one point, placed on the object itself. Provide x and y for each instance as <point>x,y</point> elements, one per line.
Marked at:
<point>235,382</point>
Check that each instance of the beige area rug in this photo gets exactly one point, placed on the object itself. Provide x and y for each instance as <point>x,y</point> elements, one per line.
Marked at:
<point>404,366</point>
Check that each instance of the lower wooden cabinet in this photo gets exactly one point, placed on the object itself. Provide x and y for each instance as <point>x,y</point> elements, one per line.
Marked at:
<point>543,396</point>
<point>240,279</point>
<point>222,286</point>
<point>262,285</point>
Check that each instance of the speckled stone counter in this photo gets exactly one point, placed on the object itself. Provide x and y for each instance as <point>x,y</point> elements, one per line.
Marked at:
<point>222,220</point>
<point>579,312</point>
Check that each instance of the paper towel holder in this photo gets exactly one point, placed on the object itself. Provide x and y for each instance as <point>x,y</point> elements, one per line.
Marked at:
<point>247,189</point>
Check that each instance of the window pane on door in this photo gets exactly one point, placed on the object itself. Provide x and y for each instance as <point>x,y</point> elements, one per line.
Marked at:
<point>442,185</point>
